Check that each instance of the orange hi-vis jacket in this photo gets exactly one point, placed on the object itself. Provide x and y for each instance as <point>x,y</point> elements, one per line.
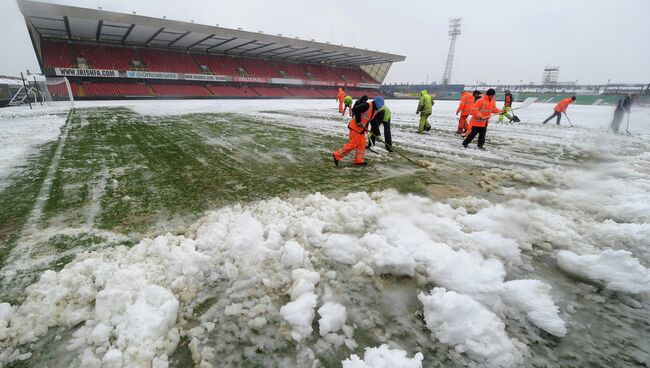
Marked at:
<point>341,95</point>
<point>508,101</point>
<point>482,110</point>
<point>366,116</point>
<point>466,103</point>
<point>562,105</point>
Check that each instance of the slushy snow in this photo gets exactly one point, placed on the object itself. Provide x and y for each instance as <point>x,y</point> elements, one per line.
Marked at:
<point>271,265</point>
<point>468,326</point>
<point>384,357</point>
<point>130,299</point>
<point>616,270</point>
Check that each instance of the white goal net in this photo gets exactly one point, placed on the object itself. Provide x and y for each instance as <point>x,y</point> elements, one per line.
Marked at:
<point>56,89</point>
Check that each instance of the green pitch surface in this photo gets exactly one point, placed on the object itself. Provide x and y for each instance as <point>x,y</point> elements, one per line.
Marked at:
<point>115,176</point>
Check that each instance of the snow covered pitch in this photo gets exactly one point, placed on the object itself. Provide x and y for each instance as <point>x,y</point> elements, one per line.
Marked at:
<point>220,234</point>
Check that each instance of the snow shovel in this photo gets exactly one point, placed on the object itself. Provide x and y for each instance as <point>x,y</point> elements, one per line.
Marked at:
<point>422,164</point>
<point>567,117</point>
<point>515,118</point>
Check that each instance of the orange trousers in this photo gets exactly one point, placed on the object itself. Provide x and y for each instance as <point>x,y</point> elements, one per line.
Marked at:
<point>341,106</point>
<point>462,123</point>
<point>357,144</point>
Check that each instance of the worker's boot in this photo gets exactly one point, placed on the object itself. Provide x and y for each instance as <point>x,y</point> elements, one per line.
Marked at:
<point>365,163</point>
<point>336,161</point>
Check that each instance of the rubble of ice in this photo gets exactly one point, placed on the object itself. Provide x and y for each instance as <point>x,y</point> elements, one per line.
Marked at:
<point>383,357</point>
<point>616,270</point>
<point>470,327</point>
<point>287,276</point>
<point>130,302</point>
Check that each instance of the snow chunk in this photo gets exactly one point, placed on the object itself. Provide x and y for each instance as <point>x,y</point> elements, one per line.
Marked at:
<point>5,313</point>
<point>462,322</point>
<point>344,248</point>
<point>112,359</point>
<point>294,255</point>
<point>532,297</point>
<point>300,314</point>
<point>152,315</point>
<point>616,269</point>
<point>383,357</point>
<point>300,311</point>
<point>333,317</point>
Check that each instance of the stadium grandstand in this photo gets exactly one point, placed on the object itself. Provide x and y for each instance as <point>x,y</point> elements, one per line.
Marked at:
<point>108,55</point>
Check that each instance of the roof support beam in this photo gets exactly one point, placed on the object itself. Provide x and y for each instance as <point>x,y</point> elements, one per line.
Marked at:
<point>200,41</point>
<point>45,18</point>
<point>275,49</point>
<point>290,51</point>
<point>238,46</point>
<point>99,30</point>
<point>50,29</point>
<point>322,56</point>
<point>154,36</point>
<point>67,27</point>
<point>335,57</point>
<point>220,43</point>
<point>306,53</point>
<point>179,38</point>
<point>256,48</point>
<point>128,32</point>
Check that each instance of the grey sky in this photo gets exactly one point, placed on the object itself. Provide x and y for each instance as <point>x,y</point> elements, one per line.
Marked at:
<point>506,40</point>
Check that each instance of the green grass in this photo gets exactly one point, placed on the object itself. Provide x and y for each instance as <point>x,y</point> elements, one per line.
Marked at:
<point>19,197</point>
<point>172,169</point>
<point>137,175</point>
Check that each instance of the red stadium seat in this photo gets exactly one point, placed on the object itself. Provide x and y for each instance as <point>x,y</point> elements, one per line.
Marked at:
<point>219,65</point>
<point>100,57</point>
<point>271,91</point>
<point>56,55</point>
<point>328,92</point>
<point>233,91</point>
<point>290,70</point>
<point>116,89</point>
<point>180,90</point>
<point>168,61</point>
<point>259,68</point>
<point>304,92</point>
<point>322,73</point>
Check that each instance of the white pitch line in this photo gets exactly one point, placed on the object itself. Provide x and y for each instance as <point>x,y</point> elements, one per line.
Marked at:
<point>37,211</point>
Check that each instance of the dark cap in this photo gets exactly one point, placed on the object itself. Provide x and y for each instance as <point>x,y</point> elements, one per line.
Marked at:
<point>491,92</point>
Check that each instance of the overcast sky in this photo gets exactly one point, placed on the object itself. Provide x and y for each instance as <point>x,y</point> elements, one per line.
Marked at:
<point>502,40</point>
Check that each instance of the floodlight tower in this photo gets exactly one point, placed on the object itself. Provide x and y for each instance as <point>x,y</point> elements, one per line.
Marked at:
<point>454,32</point>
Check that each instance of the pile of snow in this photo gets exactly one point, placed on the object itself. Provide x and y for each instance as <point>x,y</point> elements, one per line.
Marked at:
<point>18,136</point>
<point>468,326</point>
<point>300,311</point>
<point>127,300</point>
<point>332,318</point>
<point>384,357</point>
<point>135,304</point>
<point>533,298</point>
<point>616,270</point>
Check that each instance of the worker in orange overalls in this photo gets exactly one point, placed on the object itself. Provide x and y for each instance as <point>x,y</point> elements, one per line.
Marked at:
<point>560,108</point>
<point>340,97</point>
<point>358,127</point>
<point>481,112</point>
<point>465,108</point>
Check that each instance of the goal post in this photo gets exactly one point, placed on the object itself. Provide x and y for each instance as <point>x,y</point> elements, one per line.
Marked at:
<point>56,89</point>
